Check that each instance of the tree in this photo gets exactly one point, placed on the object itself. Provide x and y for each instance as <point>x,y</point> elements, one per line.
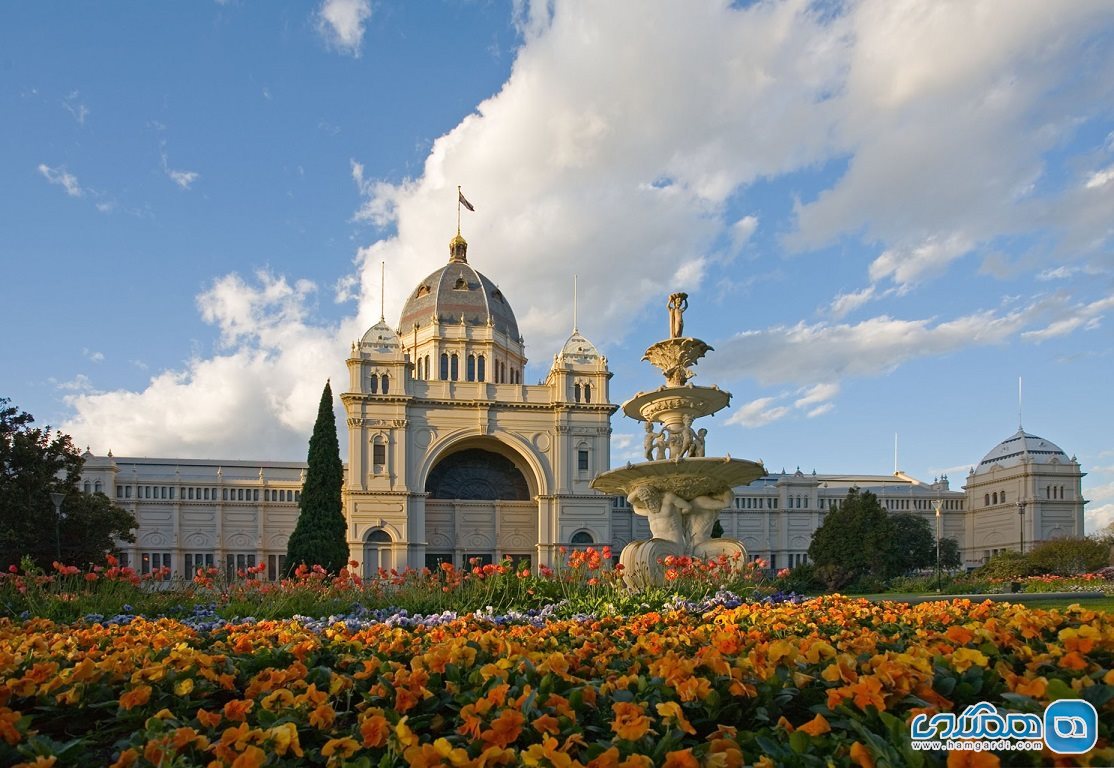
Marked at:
<point>34,463</point>
<point>949,554</point>
<point>853,541</point>
<point>911,546</point>
<point>320,536</point>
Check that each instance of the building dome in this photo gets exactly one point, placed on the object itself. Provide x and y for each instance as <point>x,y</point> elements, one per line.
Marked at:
<point>1021,447</point>
<point>381,338</point>
<point>458,293</point>
<point>579,350</point>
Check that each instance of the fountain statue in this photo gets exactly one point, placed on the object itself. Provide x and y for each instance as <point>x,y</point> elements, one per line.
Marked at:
<point>678,489</point>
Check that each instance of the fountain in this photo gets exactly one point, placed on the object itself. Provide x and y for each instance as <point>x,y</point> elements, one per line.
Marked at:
<point>678,489</point>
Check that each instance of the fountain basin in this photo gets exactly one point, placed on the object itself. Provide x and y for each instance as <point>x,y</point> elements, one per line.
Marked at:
<point>687,478</point>
<point>669,405</point>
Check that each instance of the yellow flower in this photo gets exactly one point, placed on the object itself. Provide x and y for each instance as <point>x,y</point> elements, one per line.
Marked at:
<point>284,738</point>
<point>631,722</point>
<point>964,658</point>
<point>184,686</point>
<point>671,711</point>
<point>342,748</point>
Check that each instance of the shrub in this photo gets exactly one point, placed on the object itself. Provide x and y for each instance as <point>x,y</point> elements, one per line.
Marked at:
<point>1007,565</point>
<point>802,579</point>
<point>1069,556</point>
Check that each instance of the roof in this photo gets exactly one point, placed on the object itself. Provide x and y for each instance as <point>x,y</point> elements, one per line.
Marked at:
<point>1019,448</point>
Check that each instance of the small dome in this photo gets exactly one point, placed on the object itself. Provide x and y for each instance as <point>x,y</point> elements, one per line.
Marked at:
<point>579,350</point>
<point>458,293</point>
<point>1021,447</point>
<point>381,338</point>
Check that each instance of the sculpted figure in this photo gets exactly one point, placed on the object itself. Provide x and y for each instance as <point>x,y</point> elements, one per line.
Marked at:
<point>688,437</point>
<point>649,441</point>
<point>698,443</point>
<point>678,303</point>
<point>661,442</point>
<point>662,510</point>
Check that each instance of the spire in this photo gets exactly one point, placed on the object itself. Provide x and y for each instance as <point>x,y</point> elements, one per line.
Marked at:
<point>458,249</point>
<point>574,328</point>
<point>382,290</point>
<point>1019,427</point>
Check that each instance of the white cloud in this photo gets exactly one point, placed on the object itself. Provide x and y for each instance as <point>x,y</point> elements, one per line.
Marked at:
<point>1086,316</point>
<point>257,395</point>
<point>92,356</point>
<point>845,303</point>
<point>928,258</point>
<point>76,109</point>
<point>63,178</point>
<point>1100,178</point>
<point>79,383</point>
<point>816,395</point>
<point>341,23</point>
<point>742,231</point>
<point>183,179</point>
<point>759,413</point>
<point>822,351</point>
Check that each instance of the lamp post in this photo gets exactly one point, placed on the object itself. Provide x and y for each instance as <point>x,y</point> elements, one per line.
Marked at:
<point>57,499</point>
<point>937,504</point>
<point>1021,525</point>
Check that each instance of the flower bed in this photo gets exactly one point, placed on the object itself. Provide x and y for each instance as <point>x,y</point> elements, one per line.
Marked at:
<point>831,681</point>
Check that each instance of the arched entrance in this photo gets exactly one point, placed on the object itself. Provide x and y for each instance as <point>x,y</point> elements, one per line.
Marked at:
<point>377,553</point>
<point>480,507</point>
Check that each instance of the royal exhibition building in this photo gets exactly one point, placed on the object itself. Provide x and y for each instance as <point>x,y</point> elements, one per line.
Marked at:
<point>451,456</point>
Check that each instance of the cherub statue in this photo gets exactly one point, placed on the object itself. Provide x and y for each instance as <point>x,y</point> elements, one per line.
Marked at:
<point>678,303</point>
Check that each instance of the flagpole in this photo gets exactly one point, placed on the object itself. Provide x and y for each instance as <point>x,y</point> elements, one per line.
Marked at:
<point>458,193</point>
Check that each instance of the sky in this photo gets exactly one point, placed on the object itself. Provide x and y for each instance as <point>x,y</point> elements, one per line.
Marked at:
<point>885,213</point>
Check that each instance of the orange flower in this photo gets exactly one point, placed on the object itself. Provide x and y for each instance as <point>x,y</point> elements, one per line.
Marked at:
<point>816,726</point>
<point>136,697</point>
<point>127,759</point>
<point>971,759</point>
<point>631,722</point>
<point>237,709</point>
<point>671,711</point>
<point>682,758</point>
<point>546,751</point>
<point>342,748</point>
<point>208,719</point>
<point>546,724</point>
<point>322,717</point>
<point>375,731</point>
<point>504,729</point>
<point>860,755</point>
<point>252,757</point>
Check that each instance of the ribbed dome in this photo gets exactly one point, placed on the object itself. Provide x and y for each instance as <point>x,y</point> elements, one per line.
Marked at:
<point>579,350</point>
<point>1022,447</point>
<point>381,338</point>
<point>457,290</point>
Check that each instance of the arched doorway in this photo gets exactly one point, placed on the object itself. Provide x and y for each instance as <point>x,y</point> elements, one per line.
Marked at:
<point>377,553</point>
<point>480,507</point>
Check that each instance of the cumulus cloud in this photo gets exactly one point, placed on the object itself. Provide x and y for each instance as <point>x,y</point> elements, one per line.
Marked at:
<point>258,394</point>
<point>810,401</point>
<point>1072,318</point>
<point>341,23</point>
<point>759,413</point>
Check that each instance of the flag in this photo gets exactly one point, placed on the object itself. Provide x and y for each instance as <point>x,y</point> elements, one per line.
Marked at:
<point>464,201</point>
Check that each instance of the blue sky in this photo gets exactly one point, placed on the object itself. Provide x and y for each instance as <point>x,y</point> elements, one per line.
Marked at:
<point>884,212</point>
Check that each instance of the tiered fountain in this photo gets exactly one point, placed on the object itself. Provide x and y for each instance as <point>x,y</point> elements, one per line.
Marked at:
<point>678,489</point>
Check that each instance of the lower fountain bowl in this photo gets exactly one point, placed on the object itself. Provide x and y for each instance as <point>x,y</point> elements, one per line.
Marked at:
<point>688,478</point>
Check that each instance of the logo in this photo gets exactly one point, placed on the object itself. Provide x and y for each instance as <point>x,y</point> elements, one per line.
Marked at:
<point>1071,726</point>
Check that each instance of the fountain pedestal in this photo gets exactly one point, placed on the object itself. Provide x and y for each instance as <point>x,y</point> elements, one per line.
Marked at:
<point>678,489</point>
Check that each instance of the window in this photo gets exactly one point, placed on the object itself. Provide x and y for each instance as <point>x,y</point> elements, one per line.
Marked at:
<point>373,384</point>
<point>582,538</point>
<point>237,562</point>
<point>152,561</point>
<point>88,488</point>
<point>97,486</point>
<point>386,383</point>
<point>582,460</point>
<point>576,392</point>
<point>433,560</point>
<point>378,452</point>
<point>427,366</point>
<point>297,495</point>
<point>276,567</point>
<point>471,368</point>
<point>189,493</point>
<point>481,368</point>
<point>454,367</point>
<point>255,494</point>
<point>195,561</point>
<point>986,500</point>
<point>119,491</point>
<point>587,393</point>
<point>127,491</point>
<point>240,494</point>
<point>444,367</point>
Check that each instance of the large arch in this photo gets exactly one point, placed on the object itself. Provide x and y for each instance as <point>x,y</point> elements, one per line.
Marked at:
<point>482,497</point>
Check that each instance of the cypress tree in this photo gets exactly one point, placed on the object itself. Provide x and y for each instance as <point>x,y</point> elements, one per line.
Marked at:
<point>319,538</point>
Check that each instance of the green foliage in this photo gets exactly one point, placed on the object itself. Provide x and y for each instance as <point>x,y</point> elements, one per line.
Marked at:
<point>1069,556</point>
<point>852,541</point>
<point>950,558</point>
<point>319,538</point>
<point>1006,565</point>
<point>802,579</point>
<point>34,463</point>
<point>911,545</point>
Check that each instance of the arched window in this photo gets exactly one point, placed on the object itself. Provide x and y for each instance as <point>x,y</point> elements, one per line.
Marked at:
<point>454,367</point>
<point>994,496</point>
<point>576,392</point>
<point>88,487</point>
<point>471,368</point>
<point>582,537</point>
<point>444,367</point>
<point>378,454</point>
<point>386,383</point>
<point>587,393</point>
<point>986,500</point>
<point>481,368</point>
<point>97,487</point>
<point>1002,497</point>
<point>373,384</point>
